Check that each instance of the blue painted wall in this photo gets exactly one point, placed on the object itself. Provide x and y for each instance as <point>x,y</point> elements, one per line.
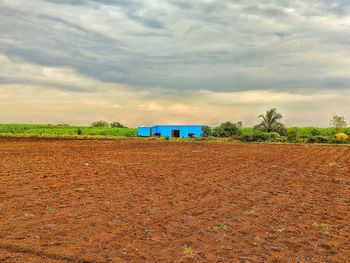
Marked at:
<point>144,131</point>
<point>166,130</point>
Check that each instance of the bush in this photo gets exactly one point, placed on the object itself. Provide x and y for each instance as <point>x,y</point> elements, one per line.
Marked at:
<point>101,124</point>
<point>116,124</point>
<point>315,132</point>
<point>260,137</point>
<point>206,131</point>
<point>338,141</point>
<point>292,135</point>
<point>318,139</point>
<point>281,130</point>
<point>79,131</point>
<point>226,129</point>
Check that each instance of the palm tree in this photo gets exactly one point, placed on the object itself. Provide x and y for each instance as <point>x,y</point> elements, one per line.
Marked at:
<point>270,122</point>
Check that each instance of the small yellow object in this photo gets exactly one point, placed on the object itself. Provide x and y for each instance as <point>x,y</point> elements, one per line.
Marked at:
<point>188,251</point>
<point>342,136</point>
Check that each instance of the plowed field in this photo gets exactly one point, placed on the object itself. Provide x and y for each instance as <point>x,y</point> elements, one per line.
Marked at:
<point>147,201</point>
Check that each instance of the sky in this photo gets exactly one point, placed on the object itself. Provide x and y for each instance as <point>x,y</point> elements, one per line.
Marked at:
<point>145,62</point>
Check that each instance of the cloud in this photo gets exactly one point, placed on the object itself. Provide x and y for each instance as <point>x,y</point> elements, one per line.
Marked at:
<point>176,53</point>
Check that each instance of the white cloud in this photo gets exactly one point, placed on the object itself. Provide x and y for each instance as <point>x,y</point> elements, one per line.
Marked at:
<point>144,62</point>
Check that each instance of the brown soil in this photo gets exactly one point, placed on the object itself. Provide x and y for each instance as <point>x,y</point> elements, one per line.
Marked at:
<point>146,201</point>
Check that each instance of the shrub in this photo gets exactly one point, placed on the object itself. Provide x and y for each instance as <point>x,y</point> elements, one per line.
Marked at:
<point>101,124</point>
<point>315,132</point>
<point>206,131</point>
<point>318,139</point>
<point>292,135</point>
<point>79,131</point>
<point>337,141</point>
<point>260,137</point>
<point>226,129</point>
<point>281,130</point>
<point>116,124</point>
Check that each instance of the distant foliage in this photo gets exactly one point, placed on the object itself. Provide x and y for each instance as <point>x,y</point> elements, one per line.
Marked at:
<point>101,124</point>
<point>271,122</point>
<point>239,124</point>
<point>292,135</point>
<point>319,139</point>
<point>206,131</point>
<point>79,131</point>
<point>260,137</point>
<point>227,129</point>
<point>116,124</point>
<point>338,122</point>
<point>315,132</point>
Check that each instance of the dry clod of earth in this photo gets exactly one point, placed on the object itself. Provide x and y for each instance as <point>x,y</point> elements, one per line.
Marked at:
<point>79,189</point>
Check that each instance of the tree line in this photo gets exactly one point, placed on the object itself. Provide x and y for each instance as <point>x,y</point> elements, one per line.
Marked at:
<point>272,128</point>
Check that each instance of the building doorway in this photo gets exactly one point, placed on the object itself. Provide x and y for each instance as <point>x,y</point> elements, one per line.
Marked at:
<point>175,133</point>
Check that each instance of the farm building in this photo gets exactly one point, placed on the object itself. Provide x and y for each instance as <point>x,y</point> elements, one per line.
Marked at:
<point>175,131</point>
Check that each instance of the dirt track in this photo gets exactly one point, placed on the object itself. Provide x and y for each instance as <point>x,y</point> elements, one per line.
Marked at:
<point>137,201</point>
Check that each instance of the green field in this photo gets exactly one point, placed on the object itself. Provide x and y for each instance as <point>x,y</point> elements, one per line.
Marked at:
<point>28,130</point>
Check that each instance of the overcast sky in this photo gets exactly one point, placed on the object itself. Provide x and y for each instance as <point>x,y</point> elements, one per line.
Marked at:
<point>186,62</point>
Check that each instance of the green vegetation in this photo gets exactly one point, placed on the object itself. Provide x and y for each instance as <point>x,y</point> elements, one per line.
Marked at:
<point>338,122</point>
<point>206,131</point>
<point>292,135</point>
<point>296,135</point>
<point>271,129</point>
<point>65,131</point>
<point>303,132</point>
<point>116,124</point>
<point>101,124</point>
<point>227,129</point>
<point>105,124</point>
<point>271,122</point>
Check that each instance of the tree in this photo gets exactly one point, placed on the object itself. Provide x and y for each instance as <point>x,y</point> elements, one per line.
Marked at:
<point>101,124</point>
<point>226,129</point>
<point>116,124</point>
<point>338,122</point>
<point>239,124</point>
<point>206,131</point>
<point>271,122</point>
